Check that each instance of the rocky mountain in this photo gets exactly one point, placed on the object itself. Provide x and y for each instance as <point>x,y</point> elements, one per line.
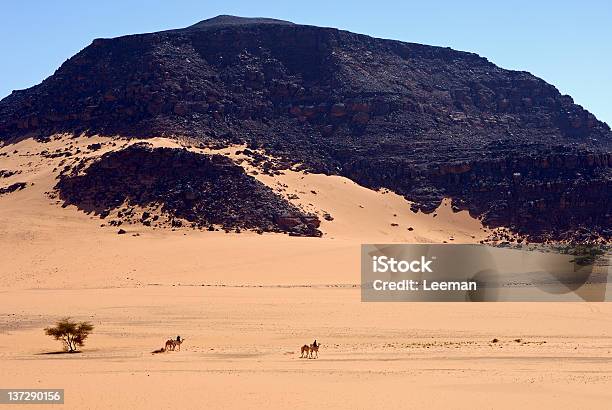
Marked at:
<point>426,122</point>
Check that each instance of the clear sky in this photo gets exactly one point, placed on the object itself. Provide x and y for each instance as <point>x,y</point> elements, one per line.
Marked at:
<point>567,43</point>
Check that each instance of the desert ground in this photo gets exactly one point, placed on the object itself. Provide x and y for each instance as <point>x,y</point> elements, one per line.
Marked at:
<point>245,303</point>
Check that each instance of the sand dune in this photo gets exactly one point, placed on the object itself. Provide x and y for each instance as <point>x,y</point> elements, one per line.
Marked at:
<point>49,246</point>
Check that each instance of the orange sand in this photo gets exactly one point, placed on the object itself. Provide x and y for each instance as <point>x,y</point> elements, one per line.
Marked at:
<point>246,302</point>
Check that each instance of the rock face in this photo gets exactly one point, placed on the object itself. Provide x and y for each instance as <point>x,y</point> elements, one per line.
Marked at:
<point>427,122</point>
<point>204,190</point>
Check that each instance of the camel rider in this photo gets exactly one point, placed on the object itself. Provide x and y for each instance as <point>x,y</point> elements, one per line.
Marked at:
<point>178,339</point>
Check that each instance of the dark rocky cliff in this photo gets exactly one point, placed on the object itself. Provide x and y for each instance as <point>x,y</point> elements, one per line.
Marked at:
<point>427,122</point>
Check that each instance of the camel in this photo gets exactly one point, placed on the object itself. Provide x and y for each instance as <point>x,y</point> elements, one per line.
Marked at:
<point>309,350</point>
<point>314,348</point>
<point>177,343</point>
<point>172,344</point>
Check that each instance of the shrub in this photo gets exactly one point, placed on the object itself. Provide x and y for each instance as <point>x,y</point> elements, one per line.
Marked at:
<point>71,333</point>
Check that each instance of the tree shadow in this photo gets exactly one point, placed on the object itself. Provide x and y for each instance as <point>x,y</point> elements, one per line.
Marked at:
<point>58,352</point>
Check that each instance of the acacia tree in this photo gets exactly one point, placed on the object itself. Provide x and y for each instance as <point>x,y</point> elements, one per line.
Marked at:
<point>71,333</point>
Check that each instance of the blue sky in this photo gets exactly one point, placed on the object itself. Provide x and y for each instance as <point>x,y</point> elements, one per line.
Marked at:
<point>567,43</point>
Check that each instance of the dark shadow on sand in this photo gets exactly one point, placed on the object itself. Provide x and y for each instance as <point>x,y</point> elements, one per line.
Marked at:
<point>60,352</point>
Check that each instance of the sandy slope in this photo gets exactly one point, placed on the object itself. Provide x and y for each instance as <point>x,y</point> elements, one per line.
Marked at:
<point>245,303</point>
<point>49,246</point>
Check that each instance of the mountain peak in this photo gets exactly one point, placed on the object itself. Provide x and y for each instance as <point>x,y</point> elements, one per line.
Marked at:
<point>228,20</point>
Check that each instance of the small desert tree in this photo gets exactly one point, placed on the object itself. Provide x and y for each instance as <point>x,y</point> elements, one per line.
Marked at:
<point>71,333</point>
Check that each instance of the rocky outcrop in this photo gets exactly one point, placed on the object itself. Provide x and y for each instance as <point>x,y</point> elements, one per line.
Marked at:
<point>17,186</point>
<point>207,191</point>
<point>425,121</point>
<point>551,195</point>
<point>5,173</point>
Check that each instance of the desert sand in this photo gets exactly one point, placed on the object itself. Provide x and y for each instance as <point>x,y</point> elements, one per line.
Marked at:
<point>245,303</point>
